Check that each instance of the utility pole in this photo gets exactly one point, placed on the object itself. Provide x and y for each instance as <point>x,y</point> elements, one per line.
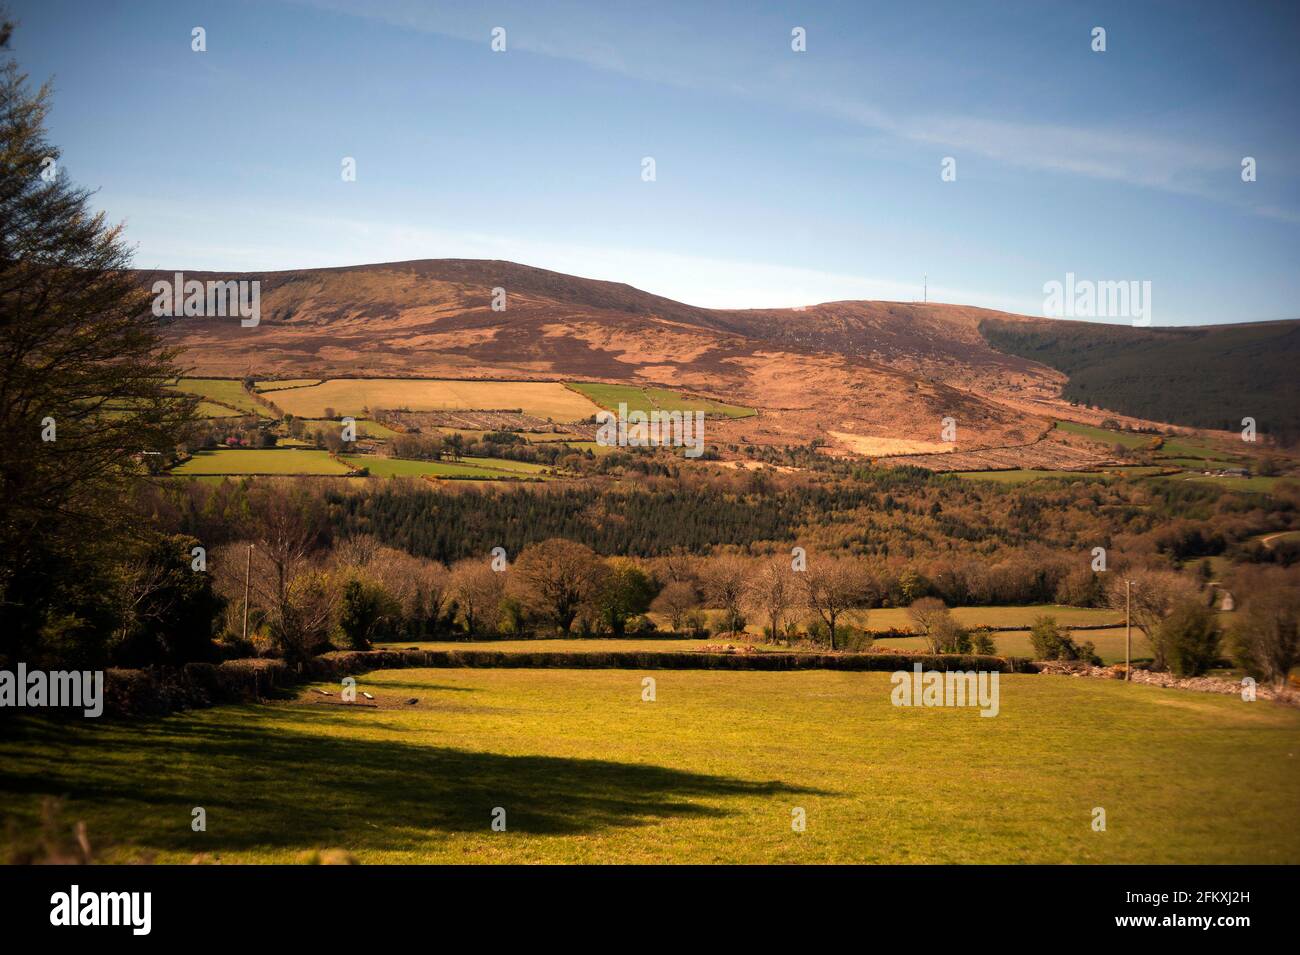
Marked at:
<point>1128,631</point>
<point>248,566</point>
<point>925,287</point>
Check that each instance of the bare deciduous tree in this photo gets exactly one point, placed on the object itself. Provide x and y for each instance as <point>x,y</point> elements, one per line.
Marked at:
<point>772,593</point>
<point>478,590</point>
<point>928,615</point>
<point>725,580</point>
<point>1154,595</point>
<point>1265,637</point>
<point>833,586</point>
<point>675,601</point>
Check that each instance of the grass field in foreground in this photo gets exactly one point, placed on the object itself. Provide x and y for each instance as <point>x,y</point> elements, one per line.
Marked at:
<point>710,772</point>
<point>262,461</point>
<point>351,396</point>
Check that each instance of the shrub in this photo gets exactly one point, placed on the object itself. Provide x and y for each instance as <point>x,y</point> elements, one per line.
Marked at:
<point>697,621</point>
<point>1266,637</point>
<point>1191,638</point>
<point>1046,638</point>
<point>855,639</point>
<point>981,640</point>
<point>948,636</point>
<point>1052,643</point>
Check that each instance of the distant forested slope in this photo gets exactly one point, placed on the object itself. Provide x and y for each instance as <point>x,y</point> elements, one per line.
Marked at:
<point>1209,377</point>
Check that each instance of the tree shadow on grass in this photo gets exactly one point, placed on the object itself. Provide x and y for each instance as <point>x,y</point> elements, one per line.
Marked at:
<point>265,783</point>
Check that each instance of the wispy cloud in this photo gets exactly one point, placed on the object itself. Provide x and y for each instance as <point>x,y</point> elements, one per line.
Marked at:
<point>598,37</point>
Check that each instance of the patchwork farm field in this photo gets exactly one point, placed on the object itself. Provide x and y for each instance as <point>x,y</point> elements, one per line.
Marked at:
<point>207,409</point>
<point>481,468</point>
<point>1104,436</point>
<point>281,383</point>
<point>289,461</point>
<point>365,428</point>
<point>646,399</point>
<point>352,396</point>
<point>709,772</point>
<point>223,397</point>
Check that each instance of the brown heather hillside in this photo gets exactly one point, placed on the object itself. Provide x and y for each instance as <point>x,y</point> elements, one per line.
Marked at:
<point>870,377</point>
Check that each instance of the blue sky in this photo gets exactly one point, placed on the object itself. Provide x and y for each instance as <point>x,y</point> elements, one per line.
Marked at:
<point>782,178</point>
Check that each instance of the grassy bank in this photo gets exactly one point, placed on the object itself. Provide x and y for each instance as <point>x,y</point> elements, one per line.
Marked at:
<point>709,772</point>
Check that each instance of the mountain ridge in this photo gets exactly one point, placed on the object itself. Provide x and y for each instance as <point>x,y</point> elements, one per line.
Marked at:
<point>865,369</point>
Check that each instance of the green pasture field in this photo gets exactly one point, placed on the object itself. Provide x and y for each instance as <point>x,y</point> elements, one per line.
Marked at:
<point>897,618</point>
<point>648,399</point>
<point>1103,436</point>
<point>1189,448</point>
<point>262,461</point>
<point>206,409</point>
<point>1109,644</point>
<point>592,446</point>
<point>505,464</point>
<point>710,772</point>
<point>882,619</point>
<point>559,645</point>
<point>283,383</point>
<point>222,391</point>
<point>400,467</point>
<point>365,427</point>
